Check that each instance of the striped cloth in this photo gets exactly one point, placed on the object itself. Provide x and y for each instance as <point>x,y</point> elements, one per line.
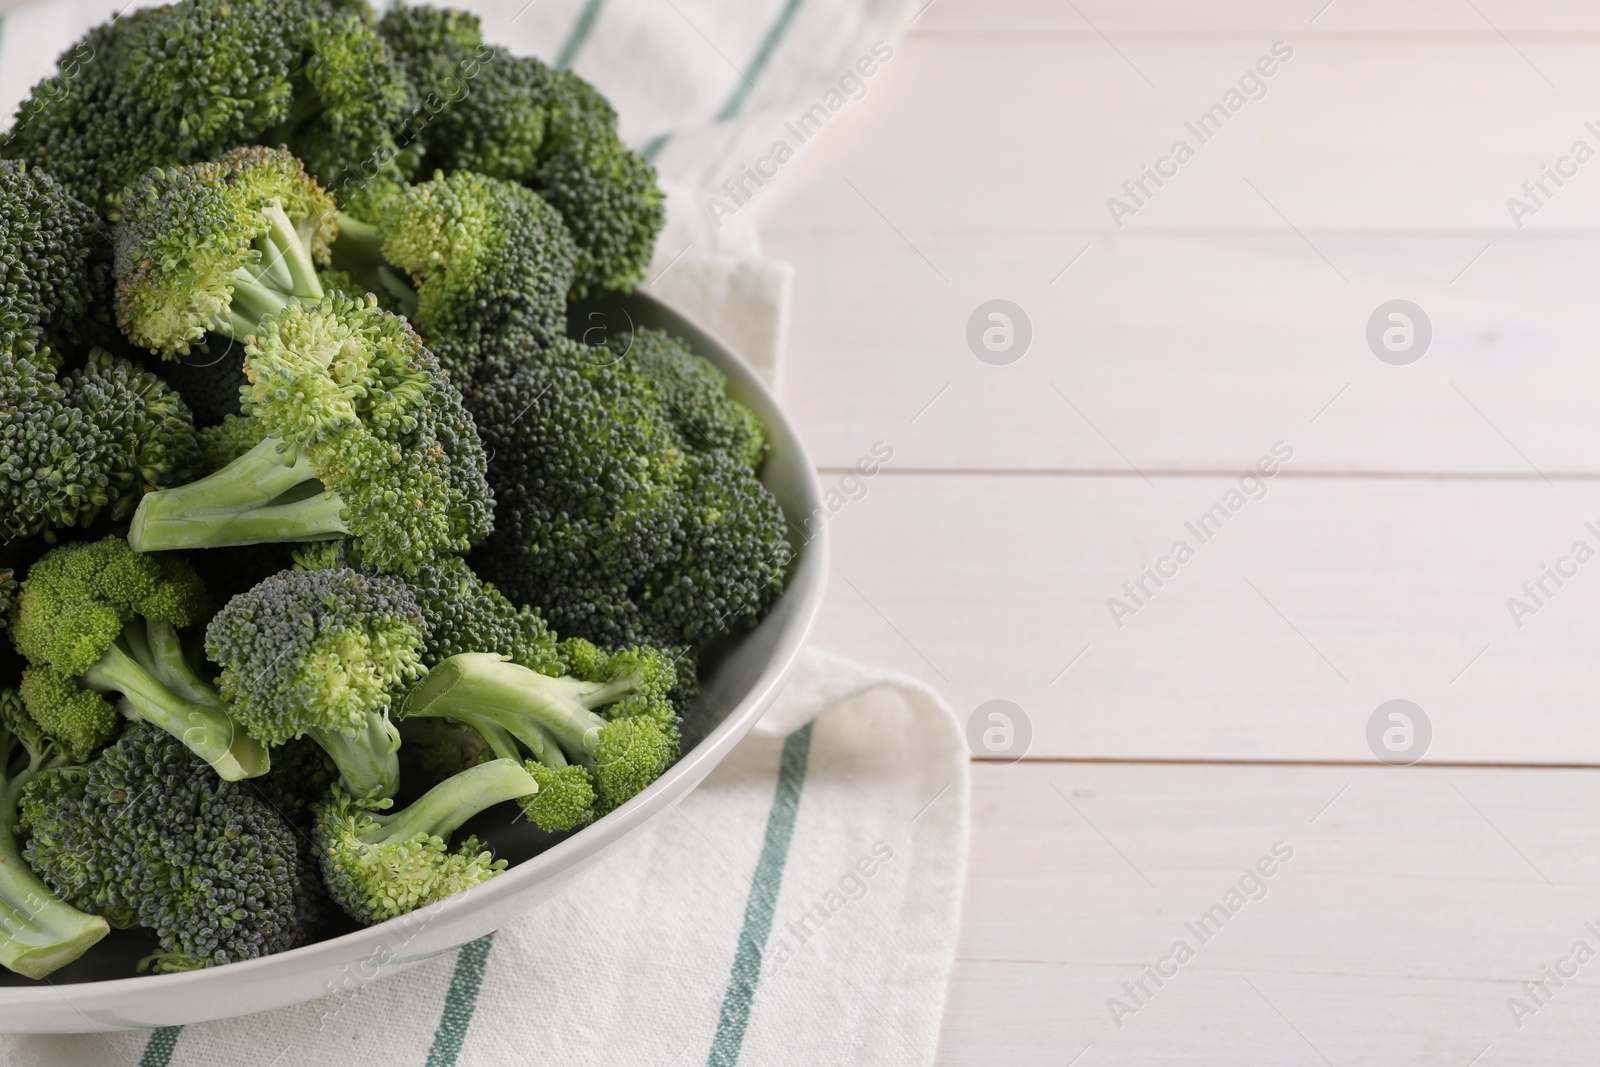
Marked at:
<point>800,907</point>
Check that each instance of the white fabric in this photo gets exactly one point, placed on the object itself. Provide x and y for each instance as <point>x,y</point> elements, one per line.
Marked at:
<point>631,963</point>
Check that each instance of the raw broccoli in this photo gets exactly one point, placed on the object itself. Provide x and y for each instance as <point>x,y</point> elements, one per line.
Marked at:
<point>515,118</point>
<point>38,931</point>
<point>363,436</point>
<point>587,763</point>
<point>209,380</point>
<point>696,395</point>
<point>490,263</point>
<point>379,864</point>
<point>460,611</point>
<point>55,262</point>
<point>609,520</point>
<point>145,835</point>
<point>181,83</point>
<point>218,246</point>
<point>321,654</point>
<point>97,617</point>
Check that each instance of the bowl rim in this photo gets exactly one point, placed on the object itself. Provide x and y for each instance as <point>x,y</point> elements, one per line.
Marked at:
<point>806,583</point>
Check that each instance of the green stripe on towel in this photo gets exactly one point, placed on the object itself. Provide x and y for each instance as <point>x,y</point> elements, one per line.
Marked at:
<point>158,1050</point>
<point>460,1002</point>
<point>580,33</point>
<point>762,901</point>
<point>747,82</point>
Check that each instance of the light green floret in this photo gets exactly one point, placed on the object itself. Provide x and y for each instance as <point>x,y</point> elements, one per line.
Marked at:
<point>379,864</point>
<point>362,436</point>
<point>587,762</point>
<point>97,618</point>
<point>38,931</point>
<point>218,246</point>
<point>320,654</point>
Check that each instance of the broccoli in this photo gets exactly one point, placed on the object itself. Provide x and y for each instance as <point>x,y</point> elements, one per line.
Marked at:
<point>38,931</point>
<point>609,521</point>
<point>55,262</point>
<point>378,864</point>
<point>696,396</point>
<point>489,260</point>
<point>363,436</point>
<point>321,654</point>
<point>460,611</point>
<point>513,117</point>
<point>586,763</point>
<point>218,246</point>
<point>144,835</point>
<point>97,617</point>
<point>178,84</point>
<point>209,382</point>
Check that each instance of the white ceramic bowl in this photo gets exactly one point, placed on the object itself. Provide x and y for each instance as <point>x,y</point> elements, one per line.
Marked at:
<point>102,991</point>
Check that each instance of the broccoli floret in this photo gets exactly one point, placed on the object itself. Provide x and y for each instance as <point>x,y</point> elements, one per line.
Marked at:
<point>513,117</point>
<point>696,395</point>
<point>38,931</point>
<point>490,263</point>
<point>588,762</point>
<point>101,618</point>
<point>363,436</point>
<point>209,379</point>
<point>379,864</point>
<point>181,83</point>
<point>55,262</point>
<point>609,521</point>
<point>460,611</point>
<point>321,654</point>
<point>146,835</point>
<point>218,246</point>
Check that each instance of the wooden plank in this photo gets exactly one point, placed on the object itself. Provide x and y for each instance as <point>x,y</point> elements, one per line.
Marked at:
<point>1278,640</point>
<point>1159,353</point>
<point>1416,903</point>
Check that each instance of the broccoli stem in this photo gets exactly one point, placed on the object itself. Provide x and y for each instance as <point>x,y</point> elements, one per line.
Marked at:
<point>369,761</point>
<point>441,810</point>
<point>359,253</point>
<point>38,931</point>
<point>168,662</point>
<point>241,504</point>
<point>283,245</point>
<point>205,728</point>
<point>478,687</point>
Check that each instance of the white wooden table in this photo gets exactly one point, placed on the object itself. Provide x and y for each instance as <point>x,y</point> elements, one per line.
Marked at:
<point>1230,711</point>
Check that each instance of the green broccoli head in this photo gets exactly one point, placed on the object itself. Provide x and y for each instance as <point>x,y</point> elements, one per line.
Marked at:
<point>181,83</point>
<point>460,611</point>
<point>611,717</point>
<point>216,246</point>
<point>315,650</point>
<point>147,835</point>
<point>102,617</point>
<point>696,396</point>
<point>565,800</point>
<point>38,931</point>
<point>363,436</point>
<point>55,265</point>
<point>87,444</point>
<point>490,262</point>
<point>614,524</point>
<point>378,864</point>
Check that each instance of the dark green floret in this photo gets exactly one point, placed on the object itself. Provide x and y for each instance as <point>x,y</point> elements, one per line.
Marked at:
<point>181,83</point>
<point>489,263</point>
<point>513,117</point>
<point>55,262</point>
<point>39,932</point>
<point>598,735</point>
<point>378,864</point>
<point>460,611</point>
<point>321,654</point>
<point>614,524</point>
<point>146,835</point>
<point>102,619</point>
<point>696,396</point>
<point>363,436</point>
<point>217,247</point>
